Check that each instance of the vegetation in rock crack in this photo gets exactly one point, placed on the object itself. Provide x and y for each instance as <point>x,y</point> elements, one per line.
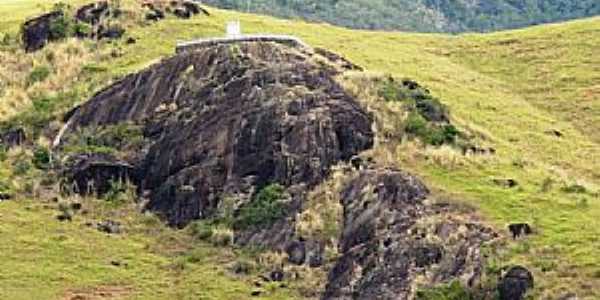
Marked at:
<point>266,207</point>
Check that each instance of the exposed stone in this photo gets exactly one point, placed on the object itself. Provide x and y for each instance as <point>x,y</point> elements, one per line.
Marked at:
<point>5,196</point>
<point>37,31</point>
<point>217,116</point>
<point>519,229</point>
<point>182,13</point>
<point>95,173</point>
<point>109,226</point>
<point>296,252</point>
<point>515,283</point>
<point>155,14</point>
<point>277,275</point>
<point>506,182</point>
<point>93,13</point>
<point>384,246</point>
<point>13,137</point>
<point>111,32</point>
<point>338,59</point>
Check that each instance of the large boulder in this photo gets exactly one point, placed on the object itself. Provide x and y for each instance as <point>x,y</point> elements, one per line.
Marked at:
<point>38,31</point>
<point>391,237</point>
<point>221,117</point>
<point>515,283</point>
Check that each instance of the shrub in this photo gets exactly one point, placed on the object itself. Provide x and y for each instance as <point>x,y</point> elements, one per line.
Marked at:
<point>266,208</point>
<point>3,152</point>
<point>119,192</point>
<point>81,29</point>
<point>21,167</point>
<point>416,125</point>
<point>222,237</point>
<point>574,189</point>
<point>431,133</point>
<point>243,266</point>
<point>201,230</point>
<point>6,40</point>
<point>60,28</point>
<point>451,291</point>
<point>41,158</point>
<point>38,74</point>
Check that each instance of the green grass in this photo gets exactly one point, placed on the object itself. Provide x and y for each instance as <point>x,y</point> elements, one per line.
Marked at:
<point>46,259</point>
<point>510,88</point>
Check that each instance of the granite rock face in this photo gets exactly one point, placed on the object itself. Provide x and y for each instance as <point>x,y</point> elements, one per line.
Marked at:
<point>226,117</point>
<point>391,236</point>
<point>37,32</point>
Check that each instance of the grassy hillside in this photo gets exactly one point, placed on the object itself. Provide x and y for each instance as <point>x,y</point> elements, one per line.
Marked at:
<point>513,89</point>
<point>422,15</point>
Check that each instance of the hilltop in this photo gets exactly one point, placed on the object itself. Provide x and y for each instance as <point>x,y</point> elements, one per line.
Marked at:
<point>525,99</point>
<point>422,15</point>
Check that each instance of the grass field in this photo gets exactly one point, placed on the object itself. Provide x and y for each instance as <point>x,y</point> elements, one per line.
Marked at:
<point>514,89</point>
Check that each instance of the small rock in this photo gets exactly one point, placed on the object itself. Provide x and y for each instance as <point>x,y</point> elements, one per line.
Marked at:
<point>515,284</point>
<point>518,229</point>
<point>182,13</point>
<point>155,15</point>
<point>109,226</point>
<point>64,217</point>
<point>507,183</point>
<point>277,275</point>
<point>256,293</point>
<point>555,133</point>
<point>296,252</point>
<point>5,196</point>
<point>357,162</point>
<point>112,32</point>
<point>76,206</point>
<point>131,40</point>
<point>427,255</point>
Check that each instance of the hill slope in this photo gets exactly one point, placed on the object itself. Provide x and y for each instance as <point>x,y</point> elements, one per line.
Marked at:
<point>422,15</point>
<point>514,89</point>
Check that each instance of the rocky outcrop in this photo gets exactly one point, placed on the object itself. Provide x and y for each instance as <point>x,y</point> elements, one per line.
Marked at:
<point>225,117</point>
<point>391,237</point>
<point>37,31</point>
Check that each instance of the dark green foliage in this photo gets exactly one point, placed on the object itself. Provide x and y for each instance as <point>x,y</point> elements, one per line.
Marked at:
<point>82,29</point>
<point>422,15</point>
<point>414,97</point>
<point>3,152</point>
<point>118,192</point>
<point>265,208</point>
<point>201,230</point>
<point>428,117</point>
<point>574,189</point>
<point>4,187</point>
<point>60,28</point>
<point>452,291</point>
<point>38,74</point>
<point>41,158</point>
<point>21,167</point>
<point>6,40</point>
